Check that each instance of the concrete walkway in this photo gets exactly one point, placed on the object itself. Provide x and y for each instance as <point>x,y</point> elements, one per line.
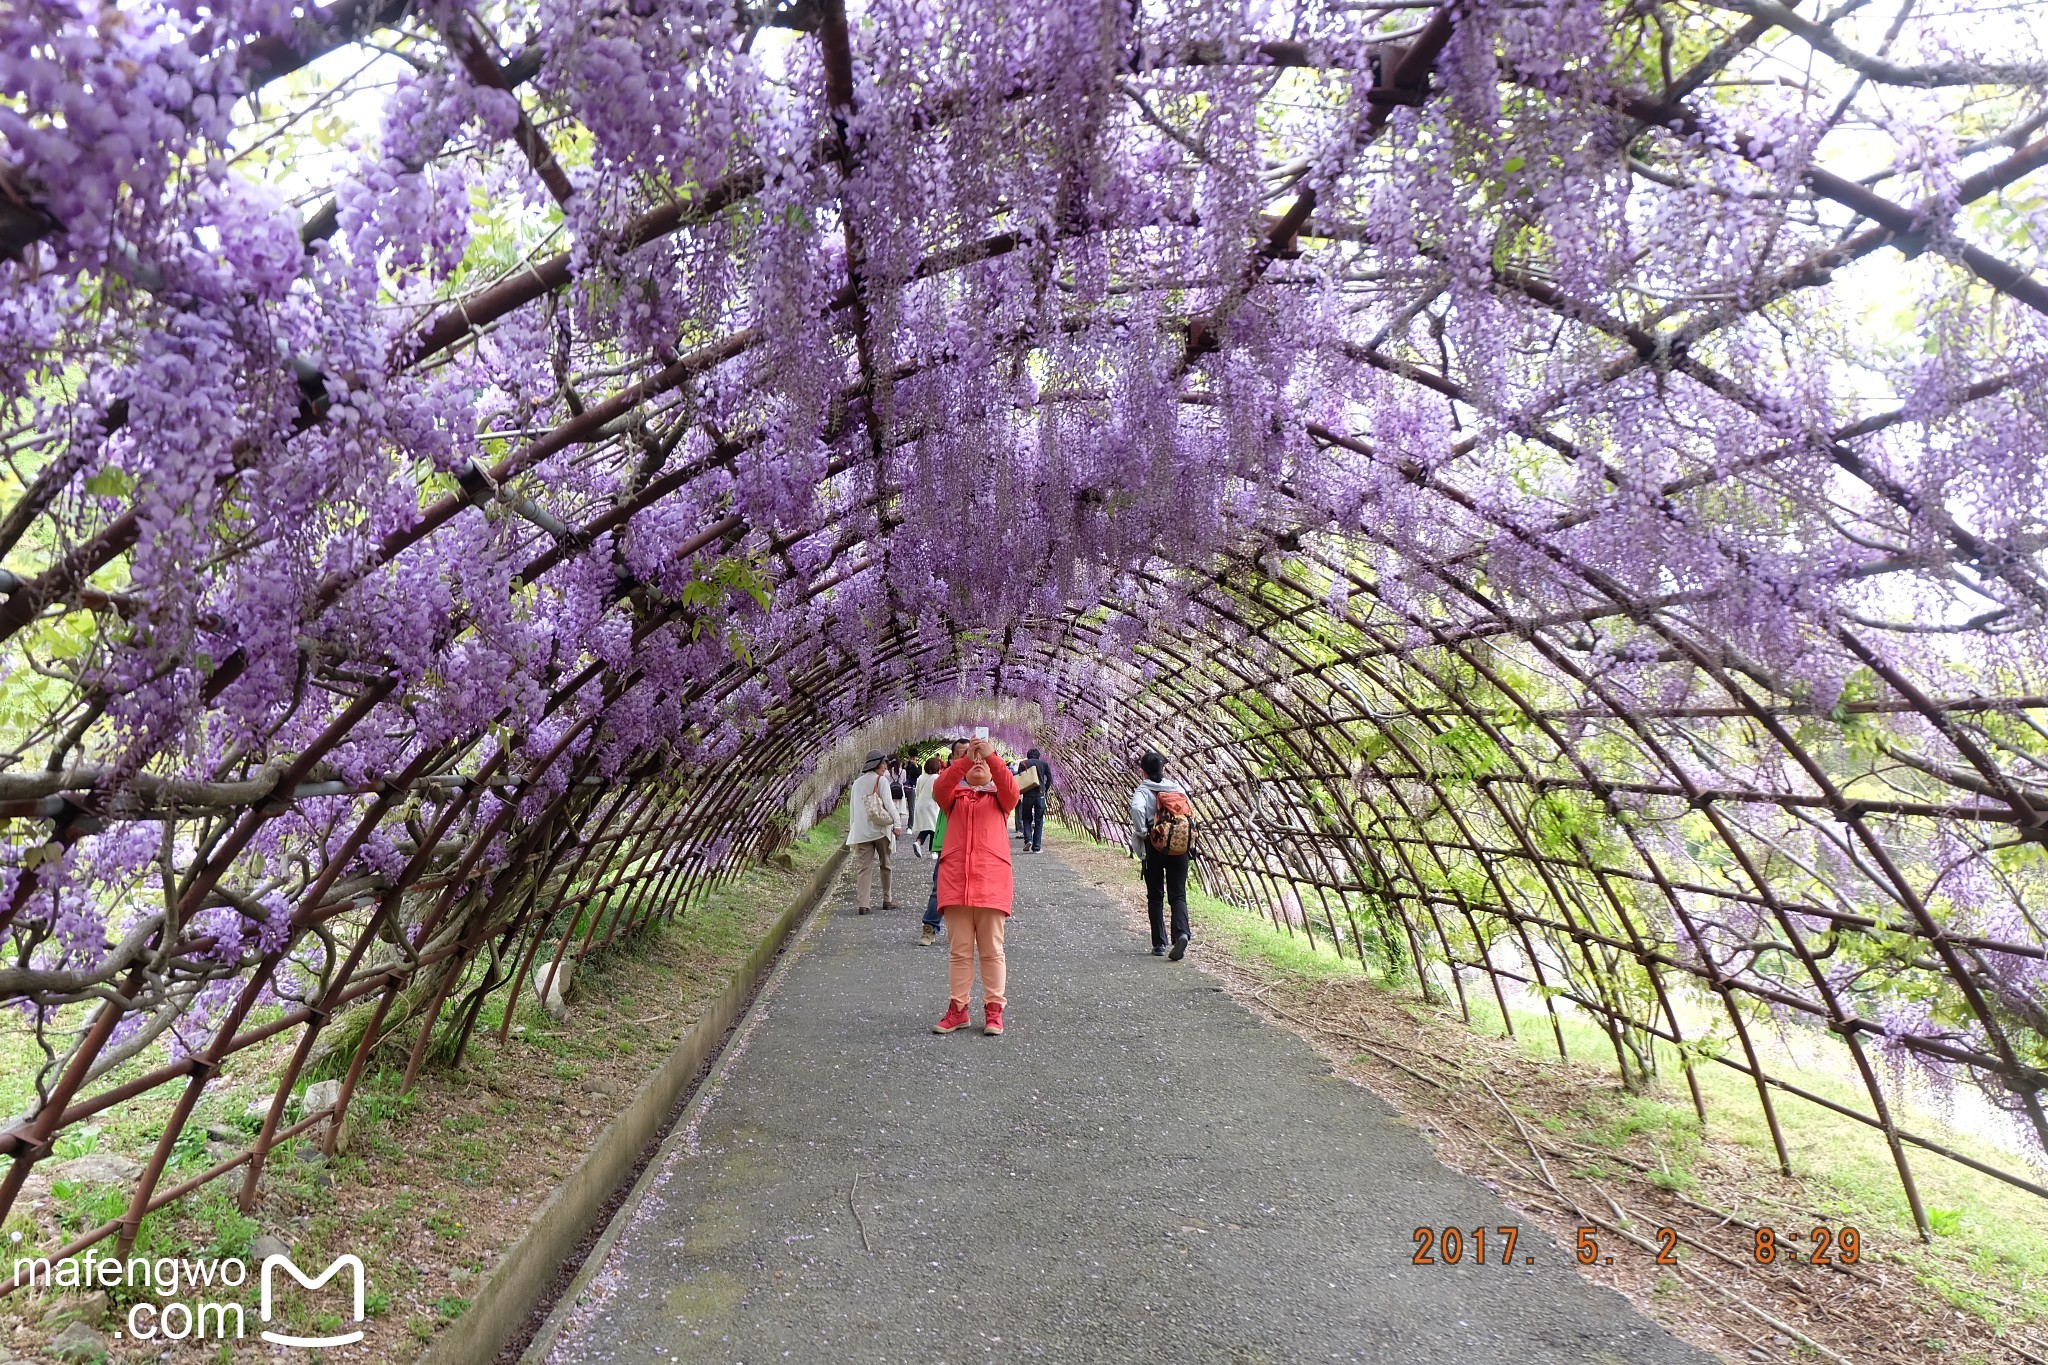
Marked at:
<point>1138,1170</point>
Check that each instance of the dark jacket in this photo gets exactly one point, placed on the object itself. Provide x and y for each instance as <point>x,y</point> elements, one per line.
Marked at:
<point>1044,777</point>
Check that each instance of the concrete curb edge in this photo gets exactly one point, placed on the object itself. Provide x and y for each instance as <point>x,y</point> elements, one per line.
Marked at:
<point>505,1301</point>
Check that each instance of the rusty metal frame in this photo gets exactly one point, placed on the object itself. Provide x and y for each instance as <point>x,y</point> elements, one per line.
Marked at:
<point>1294,805</point>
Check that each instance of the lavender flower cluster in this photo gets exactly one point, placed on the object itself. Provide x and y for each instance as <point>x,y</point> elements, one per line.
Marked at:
<point>1550,461</point>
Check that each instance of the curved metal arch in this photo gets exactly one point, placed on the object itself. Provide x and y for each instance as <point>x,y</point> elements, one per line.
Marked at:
<point>485,898</point>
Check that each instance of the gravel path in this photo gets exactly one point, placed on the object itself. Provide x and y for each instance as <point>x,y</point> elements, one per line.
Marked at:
<point>1138,1170</point>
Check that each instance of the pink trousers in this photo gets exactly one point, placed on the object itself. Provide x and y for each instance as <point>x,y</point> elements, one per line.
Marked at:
<point>972,928</point>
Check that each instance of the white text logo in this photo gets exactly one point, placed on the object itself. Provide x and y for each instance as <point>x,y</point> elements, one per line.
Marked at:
<point>350,1262</point>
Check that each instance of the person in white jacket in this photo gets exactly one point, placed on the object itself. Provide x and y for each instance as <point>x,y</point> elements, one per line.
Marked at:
<point>924,812</point>
<point>869,833</point>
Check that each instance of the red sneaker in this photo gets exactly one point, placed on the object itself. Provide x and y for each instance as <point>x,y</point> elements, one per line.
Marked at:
<point>991,1018</point>
<point>956,1017</point>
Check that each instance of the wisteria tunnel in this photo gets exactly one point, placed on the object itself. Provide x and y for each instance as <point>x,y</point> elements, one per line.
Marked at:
<point>1565,482</point>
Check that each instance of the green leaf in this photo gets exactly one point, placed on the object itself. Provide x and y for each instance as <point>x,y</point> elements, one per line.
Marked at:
<point>42,853</point>
<point>111,483</point>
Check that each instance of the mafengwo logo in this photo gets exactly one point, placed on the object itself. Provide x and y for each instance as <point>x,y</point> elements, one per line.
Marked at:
<point>348,1262</point>
<point>168,1315</point>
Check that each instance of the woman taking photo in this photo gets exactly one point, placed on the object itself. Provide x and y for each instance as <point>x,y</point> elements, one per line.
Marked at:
<point>977,792</point>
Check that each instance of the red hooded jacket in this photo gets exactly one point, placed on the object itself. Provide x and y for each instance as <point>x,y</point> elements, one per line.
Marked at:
<point>974,868</point>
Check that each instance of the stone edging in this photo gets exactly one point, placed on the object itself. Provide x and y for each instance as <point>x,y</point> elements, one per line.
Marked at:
<point>505,1300</point>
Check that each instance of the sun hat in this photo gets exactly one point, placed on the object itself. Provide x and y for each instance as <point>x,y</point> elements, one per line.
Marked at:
<point>874,760</point>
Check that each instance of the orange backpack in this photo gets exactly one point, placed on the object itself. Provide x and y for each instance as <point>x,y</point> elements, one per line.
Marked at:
<point>1173,824</point>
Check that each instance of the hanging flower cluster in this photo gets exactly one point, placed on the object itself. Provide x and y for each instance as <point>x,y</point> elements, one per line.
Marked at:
<point>1563,467</point>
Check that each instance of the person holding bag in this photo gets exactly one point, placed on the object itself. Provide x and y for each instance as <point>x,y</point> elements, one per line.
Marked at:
<point>871,827</point>
<point>1034,780</point>
<point>975,888</point>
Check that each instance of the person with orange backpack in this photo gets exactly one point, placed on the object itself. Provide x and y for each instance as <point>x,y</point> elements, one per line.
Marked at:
<point>1163,834</point>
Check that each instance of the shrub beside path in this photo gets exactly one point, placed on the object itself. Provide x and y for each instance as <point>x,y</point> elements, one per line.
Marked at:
<point>1138,1170</point>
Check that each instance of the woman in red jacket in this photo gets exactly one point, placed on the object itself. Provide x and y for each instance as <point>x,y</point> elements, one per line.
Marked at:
<point>977,793</point>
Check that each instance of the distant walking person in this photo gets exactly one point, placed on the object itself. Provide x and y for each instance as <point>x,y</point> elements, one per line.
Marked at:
<point>977,791</point>
<point>933,921</point>
<point>871,827</point>
<point>924,810</point>
<point>1162,831</point>
<point>1031,804</point>
<point>901,789</point>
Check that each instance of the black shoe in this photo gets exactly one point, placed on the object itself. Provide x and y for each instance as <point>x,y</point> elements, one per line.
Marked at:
<point>1159,950</point>
<point>1180,948</point>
